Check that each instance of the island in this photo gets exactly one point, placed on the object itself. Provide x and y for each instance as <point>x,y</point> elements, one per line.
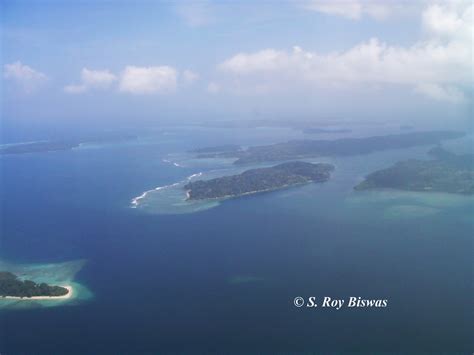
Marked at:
<point>211,152</point>
<point>448,172</point>
<point>37,147</point>
<point>61,145</point>
<point>312,130</point>
<point>218,149</point>
<point>12,287</point>
<point>259,180</point>
<point>301,149</point>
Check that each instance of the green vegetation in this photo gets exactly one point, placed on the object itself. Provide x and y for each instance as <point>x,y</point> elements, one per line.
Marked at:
<point>258,180</point>
<point>299,149</point>
<point>10,285</point>
<point>447,173</point>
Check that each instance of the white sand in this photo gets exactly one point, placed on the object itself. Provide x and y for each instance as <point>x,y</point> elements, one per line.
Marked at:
<point>35,298</point>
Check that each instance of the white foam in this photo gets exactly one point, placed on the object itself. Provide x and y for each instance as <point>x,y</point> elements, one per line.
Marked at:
<point>136,200</point>
<point>193,176</point>
<point>171,162</point>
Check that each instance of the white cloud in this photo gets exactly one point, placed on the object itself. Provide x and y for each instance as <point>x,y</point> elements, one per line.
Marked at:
<point>133,79</point>
<point>98,79</point>
<point>453,19</point>
<point>190,76</point>
<point>351,9</point>
<point>24,76</point>
<point>195,13</point>
<point>439,67</point>
<point>148,80</point>
<point>92,79</point>
<point>75,89</point>
<point>213,88</point>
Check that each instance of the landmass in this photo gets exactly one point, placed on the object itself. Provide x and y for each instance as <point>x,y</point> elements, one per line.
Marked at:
<point>37,147</point>
<point>219,148</point>
<point>60,145</point>
<point>259,180</point>
<point>12,287</point>
<point>210,152</point>
<point>325,130</point>
<point>301,149</point>
<point>293,122</point>
<point>448,172</point>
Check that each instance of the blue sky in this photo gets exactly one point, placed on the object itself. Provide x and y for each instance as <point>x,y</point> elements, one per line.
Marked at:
<point>124,61</point>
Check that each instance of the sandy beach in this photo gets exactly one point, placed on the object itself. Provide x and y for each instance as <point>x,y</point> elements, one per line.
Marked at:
<point>36,298</point>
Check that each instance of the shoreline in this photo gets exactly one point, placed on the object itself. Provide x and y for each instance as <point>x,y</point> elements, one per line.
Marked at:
<point>226,197</point>
<point>36,298</point>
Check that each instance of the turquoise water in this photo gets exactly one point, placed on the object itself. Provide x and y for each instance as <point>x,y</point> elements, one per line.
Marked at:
<point>61,274</point>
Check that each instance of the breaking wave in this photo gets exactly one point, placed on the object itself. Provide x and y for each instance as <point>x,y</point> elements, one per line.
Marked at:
<point>136,200</point>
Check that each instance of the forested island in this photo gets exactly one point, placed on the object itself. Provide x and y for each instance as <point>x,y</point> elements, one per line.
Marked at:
<point>259,180</point>
<point>299,149</point>
<point>448,172</point>
<point>12,286</point>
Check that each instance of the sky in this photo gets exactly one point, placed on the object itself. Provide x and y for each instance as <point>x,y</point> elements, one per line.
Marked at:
<point>133,62</point>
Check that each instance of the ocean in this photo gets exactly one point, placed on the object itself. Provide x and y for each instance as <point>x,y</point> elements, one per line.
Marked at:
<point>222,277</point>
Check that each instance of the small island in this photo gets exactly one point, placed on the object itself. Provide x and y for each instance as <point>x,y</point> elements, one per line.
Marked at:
<point>12,287</point>
<point>259,180</point>
<point>448,172</point>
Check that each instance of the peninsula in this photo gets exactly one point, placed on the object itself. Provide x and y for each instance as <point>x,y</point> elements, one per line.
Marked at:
<point>12,287</point>
<point>448,172</point>
<point>259,180</point>
<point>300,149</point>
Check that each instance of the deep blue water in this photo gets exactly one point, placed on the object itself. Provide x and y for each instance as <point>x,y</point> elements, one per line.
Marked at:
<point>161,282</point>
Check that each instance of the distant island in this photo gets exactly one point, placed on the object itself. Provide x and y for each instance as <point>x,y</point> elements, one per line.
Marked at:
<point>60,145</point>
<point>12,287</point>
<point>210,152</point>
<point>300,149</point>
<point>217,149</point>
<point>325,130</point>
<point>259,180</point>
<point>37,147</point>
<point>448,172</point>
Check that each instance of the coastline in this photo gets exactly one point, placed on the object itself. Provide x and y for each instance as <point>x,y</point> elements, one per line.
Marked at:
<point>36,298</point>
<point>225,197</point>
